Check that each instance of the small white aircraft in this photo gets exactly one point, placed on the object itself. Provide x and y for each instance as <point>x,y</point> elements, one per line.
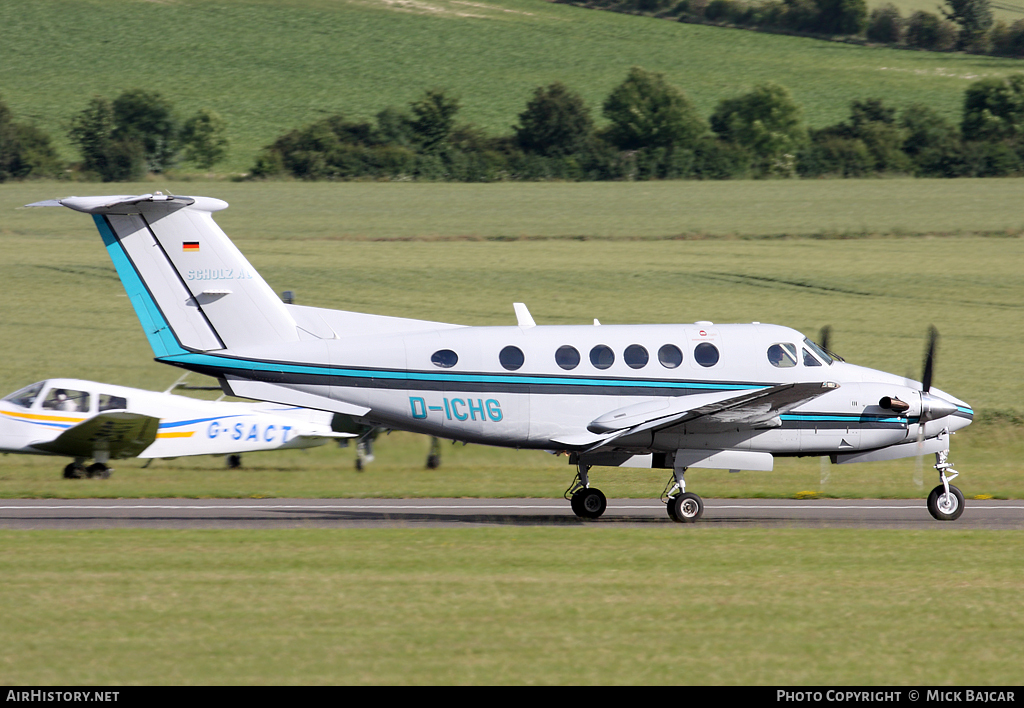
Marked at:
<point>88,420</point>
<point>674,396</point>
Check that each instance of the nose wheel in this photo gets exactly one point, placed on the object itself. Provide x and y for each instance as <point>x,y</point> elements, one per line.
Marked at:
<point>946,502</point>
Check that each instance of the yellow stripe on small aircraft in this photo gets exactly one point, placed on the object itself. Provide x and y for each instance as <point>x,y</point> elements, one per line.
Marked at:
<point>50,418</point>
<point>176,435</point>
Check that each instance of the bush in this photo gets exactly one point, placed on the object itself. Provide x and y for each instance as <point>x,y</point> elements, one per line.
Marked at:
<point>886,25</point>
<point>646,111</point>
<point>556,122</point>
<point>994,109</point>
<point>928,31</point>
<point>25,151</point>
<point>767,123</point>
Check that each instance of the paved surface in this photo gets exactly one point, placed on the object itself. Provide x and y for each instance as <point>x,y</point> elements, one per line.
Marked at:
<point>406,513</point>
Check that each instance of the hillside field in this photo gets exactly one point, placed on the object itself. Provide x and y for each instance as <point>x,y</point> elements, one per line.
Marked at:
<point>269,66</point>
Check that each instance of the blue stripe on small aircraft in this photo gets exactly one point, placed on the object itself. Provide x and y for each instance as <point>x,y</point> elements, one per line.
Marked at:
<point>180,423</point>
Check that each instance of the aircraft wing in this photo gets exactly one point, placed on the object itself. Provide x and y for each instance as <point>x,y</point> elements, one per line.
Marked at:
<point>121,433</point>
<point>750,408</point>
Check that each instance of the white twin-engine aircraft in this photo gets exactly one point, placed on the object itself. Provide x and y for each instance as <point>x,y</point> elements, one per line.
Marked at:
<point>86,420</point>
<point>663,396</point>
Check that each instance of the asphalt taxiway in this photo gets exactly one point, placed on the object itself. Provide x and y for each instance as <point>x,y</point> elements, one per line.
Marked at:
<point>76,514</point>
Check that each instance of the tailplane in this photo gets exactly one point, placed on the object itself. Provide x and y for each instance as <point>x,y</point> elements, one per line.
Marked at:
<point>191,288</point>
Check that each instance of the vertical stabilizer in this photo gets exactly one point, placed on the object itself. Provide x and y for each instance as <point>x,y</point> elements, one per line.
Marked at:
<point>191,288</point>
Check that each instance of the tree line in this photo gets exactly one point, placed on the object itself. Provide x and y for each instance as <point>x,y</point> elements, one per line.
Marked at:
<point>651,130</point>
<point>118,140</point>
<point>961,25</point>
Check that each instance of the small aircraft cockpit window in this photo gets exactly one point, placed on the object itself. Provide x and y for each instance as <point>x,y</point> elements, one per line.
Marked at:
<point>706,354</point>
<point>782,356</point>
<point>809,359</point>
<point>60,399</point>
<point>511,358</point>
<point>822,354</point>
<point>112,403</point>
<point>445,358</point>
<point>567,357</point>
<point>26,396</point>
<point>670,356</point>
<point>602,357</point>
<point>635,356</point>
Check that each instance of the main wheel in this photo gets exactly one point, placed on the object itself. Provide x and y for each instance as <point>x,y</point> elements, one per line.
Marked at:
<point>588,503</point>
<point>685,508</point>
<point>946,507</point>
<point>433,462</point>
<point>98,469</point>
<point>74,471</point>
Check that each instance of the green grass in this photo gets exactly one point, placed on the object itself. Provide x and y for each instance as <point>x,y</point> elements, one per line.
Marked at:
<point>64,312</point>
<point>269,66</point>
<point>589,605</point>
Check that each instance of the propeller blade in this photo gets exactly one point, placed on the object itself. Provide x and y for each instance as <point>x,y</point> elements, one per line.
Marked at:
<point>824,336</point>
<point>929,359</point>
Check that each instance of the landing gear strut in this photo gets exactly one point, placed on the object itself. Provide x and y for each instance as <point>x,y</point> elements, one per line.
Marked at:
<point>683,506</point>
<point>587,502</point>
<point>946,502</point>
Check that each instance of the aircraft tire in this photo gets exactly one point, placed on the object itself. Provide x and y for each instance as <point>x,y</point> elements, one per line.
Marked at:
<point>98,469</point>
<point>433,462</point>
<point>685,508</point>
<point>589,503</point>
<point>73,471</point>
<point>946,509</point>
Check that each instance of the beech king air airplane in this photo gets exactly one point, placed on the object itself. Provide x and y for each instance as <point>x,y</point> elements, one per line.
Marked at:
<point>88,420</point>
<point>731,396</point>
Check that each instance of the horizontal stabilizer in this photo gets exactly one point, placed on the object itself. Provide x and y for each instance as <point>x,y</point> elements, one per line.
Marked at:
<point>263,391</point>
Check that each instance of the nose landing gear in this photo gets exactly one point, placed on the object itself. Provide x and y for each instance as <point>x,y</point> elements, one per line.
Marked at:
<point>946,502</point>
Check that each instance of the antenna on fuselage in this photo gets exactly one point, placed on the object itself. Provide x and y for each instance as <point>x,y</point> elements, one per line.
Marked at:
<point>523,316</point>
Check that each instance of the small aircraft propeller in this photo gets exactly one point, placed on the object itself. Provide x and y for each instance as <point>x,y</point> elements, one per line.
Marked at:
<point>824,336</point>
<point>926,387</point>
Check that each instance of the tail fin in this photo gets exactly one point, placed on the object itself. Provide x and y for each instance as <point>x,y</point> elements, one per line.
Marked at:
<point>191,288</point>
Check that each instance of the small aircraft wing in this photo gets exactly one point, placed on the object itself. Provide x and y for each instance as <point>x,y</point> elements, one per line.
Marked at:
<point>120,433</point>
<point>751,408</point>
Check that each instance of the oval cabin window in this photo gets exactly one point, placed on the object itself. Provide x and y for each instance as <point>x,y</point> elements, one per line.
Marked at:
<point>567,357</point>
<point>445,358</point>
<point>511,358</point>
<point>706,354</point>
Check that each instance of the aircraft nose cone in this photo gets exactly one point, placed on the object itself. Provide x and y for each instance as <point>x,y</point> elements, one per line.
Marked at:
<point>933,406</point>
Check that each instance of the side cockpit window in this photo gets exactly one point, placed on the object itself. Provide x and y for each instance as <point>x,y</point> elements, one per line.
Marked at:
<point>26,396</point>
<point>66,399</point>
<point>809,359</point>
<point>112,403</point>
<point>783,355</point>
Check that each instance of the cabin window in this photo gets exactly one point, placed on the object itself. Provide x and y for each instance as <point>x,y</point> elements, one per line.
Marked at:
<point>602,357</point>
<point>782,356</point>
<point>445,358</point>
<point>511,358</point>
<point>635,356</point>
<point>112,403</point>
<point>809,359</point>
<point>567,357</point>
<point>26,396</point>
<point>66,399</point>
<point>706,354</point>
<point>670,356</point>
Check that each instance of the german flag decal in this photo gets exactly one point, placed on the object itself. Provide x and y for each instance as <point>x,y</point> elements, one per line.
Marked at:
<point>188,246</point>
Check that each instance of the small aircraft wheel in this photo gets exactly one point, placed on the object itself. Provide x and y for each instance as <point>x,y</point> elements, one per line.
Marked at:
<point>98,469</point>
<point>946,507</point>
<point>359,464</point>
<point>433,462</point>
<point>685,508</point>
<point>589,503</point>
<point>234,462</point>
<point>74,471</point>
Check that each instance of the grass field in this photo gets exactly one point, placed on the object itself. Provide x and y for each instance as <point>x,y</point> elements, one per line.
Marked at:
<point>269,66</point>
<point>464,253</point>
<point>588,605</point>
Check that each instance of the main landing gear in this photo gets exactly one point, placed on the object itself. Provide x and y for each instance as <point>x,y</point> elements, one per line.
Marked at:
<point>946,502</point>
<point>78,470</point>
<point>683,506</point>
<point>587,502</point>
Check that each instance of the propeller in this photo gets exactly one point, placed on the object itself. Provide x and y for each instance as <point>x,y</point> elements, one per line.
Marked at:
<point>824,336</point>
<point>926,387</point>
